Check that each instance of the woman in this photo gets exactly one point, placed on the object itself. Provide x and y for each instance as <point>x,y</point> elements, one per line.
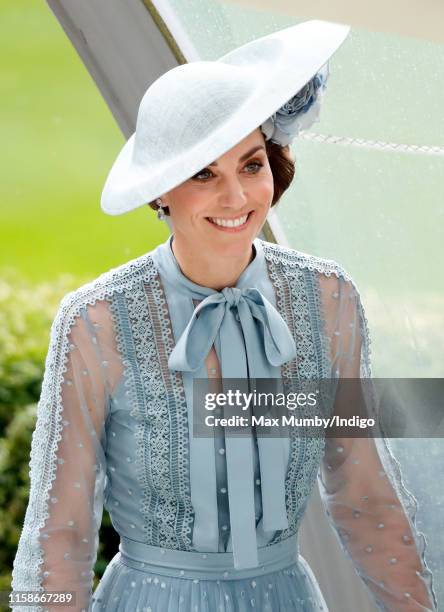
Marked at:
<point>210,523</point>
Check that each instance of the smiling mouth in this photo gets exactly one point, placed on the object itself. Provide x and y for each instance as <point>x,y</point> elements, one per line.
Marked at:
<point>229,223</point>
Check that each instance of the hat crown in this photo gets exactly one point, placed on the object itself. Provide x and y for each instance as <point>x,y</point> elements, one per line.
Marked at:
<point>264,50</point>
<point>187,104</point>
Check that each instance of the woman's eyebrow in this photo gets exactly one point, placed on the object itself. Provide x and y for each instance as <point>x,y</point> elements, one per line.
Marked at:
<point>245,155</point>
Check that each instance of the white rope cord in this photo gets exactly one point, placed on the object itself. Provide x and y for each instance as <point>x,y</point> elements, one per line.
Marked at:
<point>372,144</point>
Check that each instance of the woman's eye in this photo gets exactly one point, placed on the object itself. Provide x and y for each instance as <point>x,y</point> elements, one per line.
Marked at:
<point>255,163</point>
<point>202,172</point>
<point>206,170</point>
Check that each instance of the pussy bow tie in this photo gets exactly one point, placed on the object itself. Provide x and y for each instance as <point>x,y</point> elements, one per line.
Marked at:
<point>253,335</point>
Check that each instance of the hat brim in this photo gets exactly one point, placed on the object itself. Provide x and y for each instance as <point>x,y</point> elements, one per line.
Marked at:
<point>299,53</point>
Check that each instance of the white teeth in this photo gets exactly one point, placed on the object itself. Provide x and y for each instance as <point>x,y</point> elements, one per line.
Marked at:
<point>229,222</point>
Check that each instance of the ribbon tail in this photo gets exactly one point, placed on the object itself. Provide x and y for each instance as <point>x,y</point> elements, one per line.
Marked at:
<point>279,344</point>
<point>239,455</point>
<point>273,452</point>
<point>198,337</point>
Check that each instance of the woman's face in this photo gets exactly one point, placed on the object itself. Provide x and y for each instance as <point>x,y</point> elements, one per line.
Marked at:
<point>240,182</point>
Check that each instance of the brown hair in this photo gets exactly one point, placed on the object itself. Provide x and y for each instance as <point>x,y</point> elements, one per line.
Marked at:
<point>282,168</point>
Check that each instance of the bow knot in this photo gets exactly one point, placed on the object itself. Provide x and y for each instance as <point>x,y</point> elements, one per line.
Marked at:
<point>232,295</point>
<point>258,317</point>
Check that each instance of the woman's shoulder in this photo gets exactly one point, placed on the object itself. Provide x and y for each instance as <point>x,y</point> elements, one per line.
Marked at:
<point>290,258</point>
<point>108,283</point>
<point>324,283</point>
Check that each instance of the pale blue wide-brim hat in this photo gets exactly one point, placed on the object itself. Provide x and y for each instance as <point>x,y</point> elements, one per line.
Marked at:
<point>196,112</point>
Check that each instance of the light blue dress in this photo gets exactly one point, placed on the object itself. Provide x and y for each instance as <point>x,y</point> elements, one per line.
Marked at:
<point>207,524</point>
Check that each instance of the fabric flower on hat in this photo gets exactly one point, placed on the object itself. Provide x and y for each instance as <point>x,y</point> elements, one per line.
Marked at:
<point>299,113</point>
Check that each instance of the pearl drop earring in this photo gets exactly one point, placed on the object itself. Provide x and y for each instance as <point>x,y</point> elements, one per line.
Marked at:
<point>160,212</point>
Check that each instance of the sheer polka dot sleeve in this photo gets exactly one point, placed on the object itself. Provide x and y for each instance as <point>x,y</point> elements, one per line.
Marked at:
<point>58,544</point>
<point>360,481</point>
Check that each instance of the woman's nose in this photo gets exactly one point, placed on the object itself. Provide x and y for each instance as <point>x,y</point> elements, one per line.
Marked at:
<point>233,194</point>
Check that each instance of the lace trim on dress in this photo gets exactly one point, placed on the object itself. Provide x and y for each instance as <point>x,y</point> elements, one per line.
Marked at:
<point>157,395</point>
<point>296,302</point>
